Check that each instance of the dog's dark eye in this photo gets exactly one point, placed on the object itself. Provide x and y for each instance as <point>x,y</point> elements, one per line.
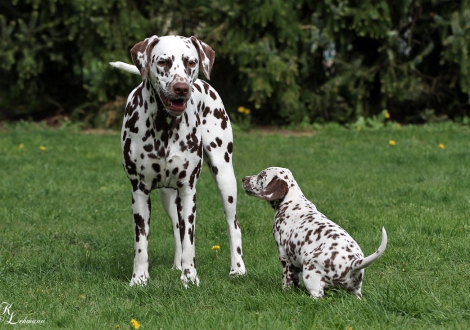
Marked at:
<point>192,64</point>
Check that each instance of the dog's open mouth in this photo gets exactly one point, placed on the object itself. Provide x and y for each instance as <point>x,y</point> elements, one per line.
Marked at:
<point>176,106</point>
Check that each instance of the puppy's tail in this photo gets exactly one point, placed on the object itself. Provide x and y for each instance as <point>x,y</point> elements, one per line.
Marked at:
<point>367,261</point>
<point>125,67</point>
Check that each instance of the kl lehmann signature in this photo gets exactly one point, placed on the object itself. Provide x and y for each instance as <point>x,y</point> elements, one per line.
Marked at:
<point>7,316</point>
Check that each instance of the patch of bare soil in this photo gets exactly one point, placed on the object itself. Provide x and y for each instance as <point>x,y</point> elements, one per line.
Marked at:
<point>99,131</point>
<point>280,131</point>
<point>56,121</point>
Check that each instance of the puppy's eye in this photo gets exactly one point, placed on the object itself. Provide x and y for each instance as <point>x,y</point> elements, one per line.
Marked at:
<point>192,64</point>
<point>161,63</point>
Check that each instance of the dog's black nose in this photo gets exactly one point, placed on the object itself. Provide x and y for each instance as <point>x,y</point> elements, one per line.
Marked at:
<point>181,89</point>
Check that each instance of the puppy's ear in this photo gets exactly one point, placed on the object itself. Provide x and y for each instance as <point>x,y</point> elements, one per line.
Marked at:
<point>206,56</point>
<point>141,55</point>
<point>276,189</point>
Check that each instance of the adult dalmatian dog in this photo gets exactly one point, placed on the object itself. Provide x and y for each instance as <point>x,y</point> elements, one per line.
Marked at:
<point>307,240</point>
<point>172,122</point>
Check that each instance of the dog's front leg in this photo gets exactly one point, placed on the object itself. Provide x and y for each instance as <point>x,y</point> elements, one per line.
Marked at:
<point>186,206</point>
<point>290,278</point>
<point>141,214</point>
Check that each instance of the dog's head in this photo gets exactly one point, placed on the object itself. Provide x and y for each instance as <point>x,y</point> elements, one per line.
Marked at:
<point>271,184</point>
<point>171,65</point>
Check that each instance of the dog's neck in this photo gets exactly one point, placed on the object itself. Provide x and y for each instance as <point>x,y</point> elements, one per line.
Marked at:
<point>294,193</point>
<point>275,204</point>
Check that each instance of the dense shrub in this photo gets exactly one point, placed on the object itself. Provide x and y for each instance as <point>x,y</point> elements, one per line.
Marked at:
<point>338,60</point>
<point>287,61</point>
<point>54,54</point>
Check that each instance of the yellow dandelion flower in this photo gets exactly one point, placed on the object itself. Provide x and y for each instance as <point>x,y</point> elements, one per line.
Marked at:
<point>42,148</point>
<point>247,111</point>
<point>387,115</point>
<point>80,296</point>
<point>241,109</point>
<point>392,142</point>
<point>21,146</point>
<point>117,326</point>
<point>216,248</point>
<point>441,146</point>
<point>135,324</point>
<point>359,128</point>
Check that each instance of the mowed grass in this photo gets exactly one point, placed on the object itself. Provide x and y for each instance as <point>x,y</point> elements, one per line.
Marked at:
<point>66,233</point>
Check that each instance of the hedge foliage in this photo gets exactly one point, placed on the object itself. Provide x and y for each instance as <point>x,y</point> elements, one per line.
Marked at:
<point>288,61</point>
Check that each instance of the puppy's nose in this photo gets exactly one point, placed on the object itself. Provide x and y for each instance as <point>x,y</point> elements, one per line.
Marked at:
<point>181,89</point>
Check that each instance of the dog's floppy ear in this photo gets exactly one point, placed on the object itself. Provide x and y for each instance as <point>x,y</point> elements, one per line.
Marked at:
<point>141,55</point>
<point>276,189</point>
<point>206,56</point>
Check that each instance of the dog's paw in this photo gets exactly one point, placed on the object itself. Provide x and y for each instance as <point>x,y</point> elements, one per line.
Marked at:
<point>140,279</point>
<point>238,270</point>
<point>189,276</point>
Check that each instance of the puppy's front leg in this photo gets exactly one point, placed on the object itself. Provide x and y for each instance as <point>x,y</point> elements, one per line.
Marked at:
<point>290,278</point>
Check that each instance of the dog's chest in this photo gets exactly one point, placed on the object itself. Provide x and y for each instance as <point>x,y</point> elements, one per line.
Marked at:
<point>161,150</point>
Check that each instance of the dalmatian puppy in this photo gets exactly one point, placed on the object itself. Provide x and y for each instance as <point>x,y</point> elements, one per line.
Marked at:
<point>307,240</point>
<point>172,120</point>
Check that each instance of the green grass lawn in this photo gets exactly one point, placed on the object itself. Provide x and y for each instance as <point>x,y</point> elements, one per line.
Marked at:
<point>66,234</point>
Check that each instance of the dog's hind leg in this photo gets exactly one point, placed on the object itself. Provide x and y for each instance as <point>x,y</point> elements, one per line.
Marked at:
<point>220,165</point>
<point>313,283</point>
<point>168,199</point>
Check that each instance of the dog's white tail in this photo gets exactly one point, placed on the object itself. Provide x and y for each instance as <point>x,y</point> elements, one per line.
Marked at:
<point>125,67</point>
<point>367,261</point>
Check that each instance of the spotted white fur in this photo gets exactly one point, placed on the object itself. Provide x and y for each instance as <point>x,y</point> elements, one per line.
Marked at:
<point>173,120</point>
<point>307,240</point>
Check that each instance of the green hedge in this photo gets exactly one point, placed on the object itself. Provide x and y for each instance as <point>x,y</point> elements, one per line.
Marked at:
<point>287,61</point>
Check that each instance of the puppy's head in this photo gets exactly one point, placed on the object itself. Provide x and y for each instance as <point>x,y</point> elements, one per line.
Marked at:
<point>171,65</point>
<point>271,184</point>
